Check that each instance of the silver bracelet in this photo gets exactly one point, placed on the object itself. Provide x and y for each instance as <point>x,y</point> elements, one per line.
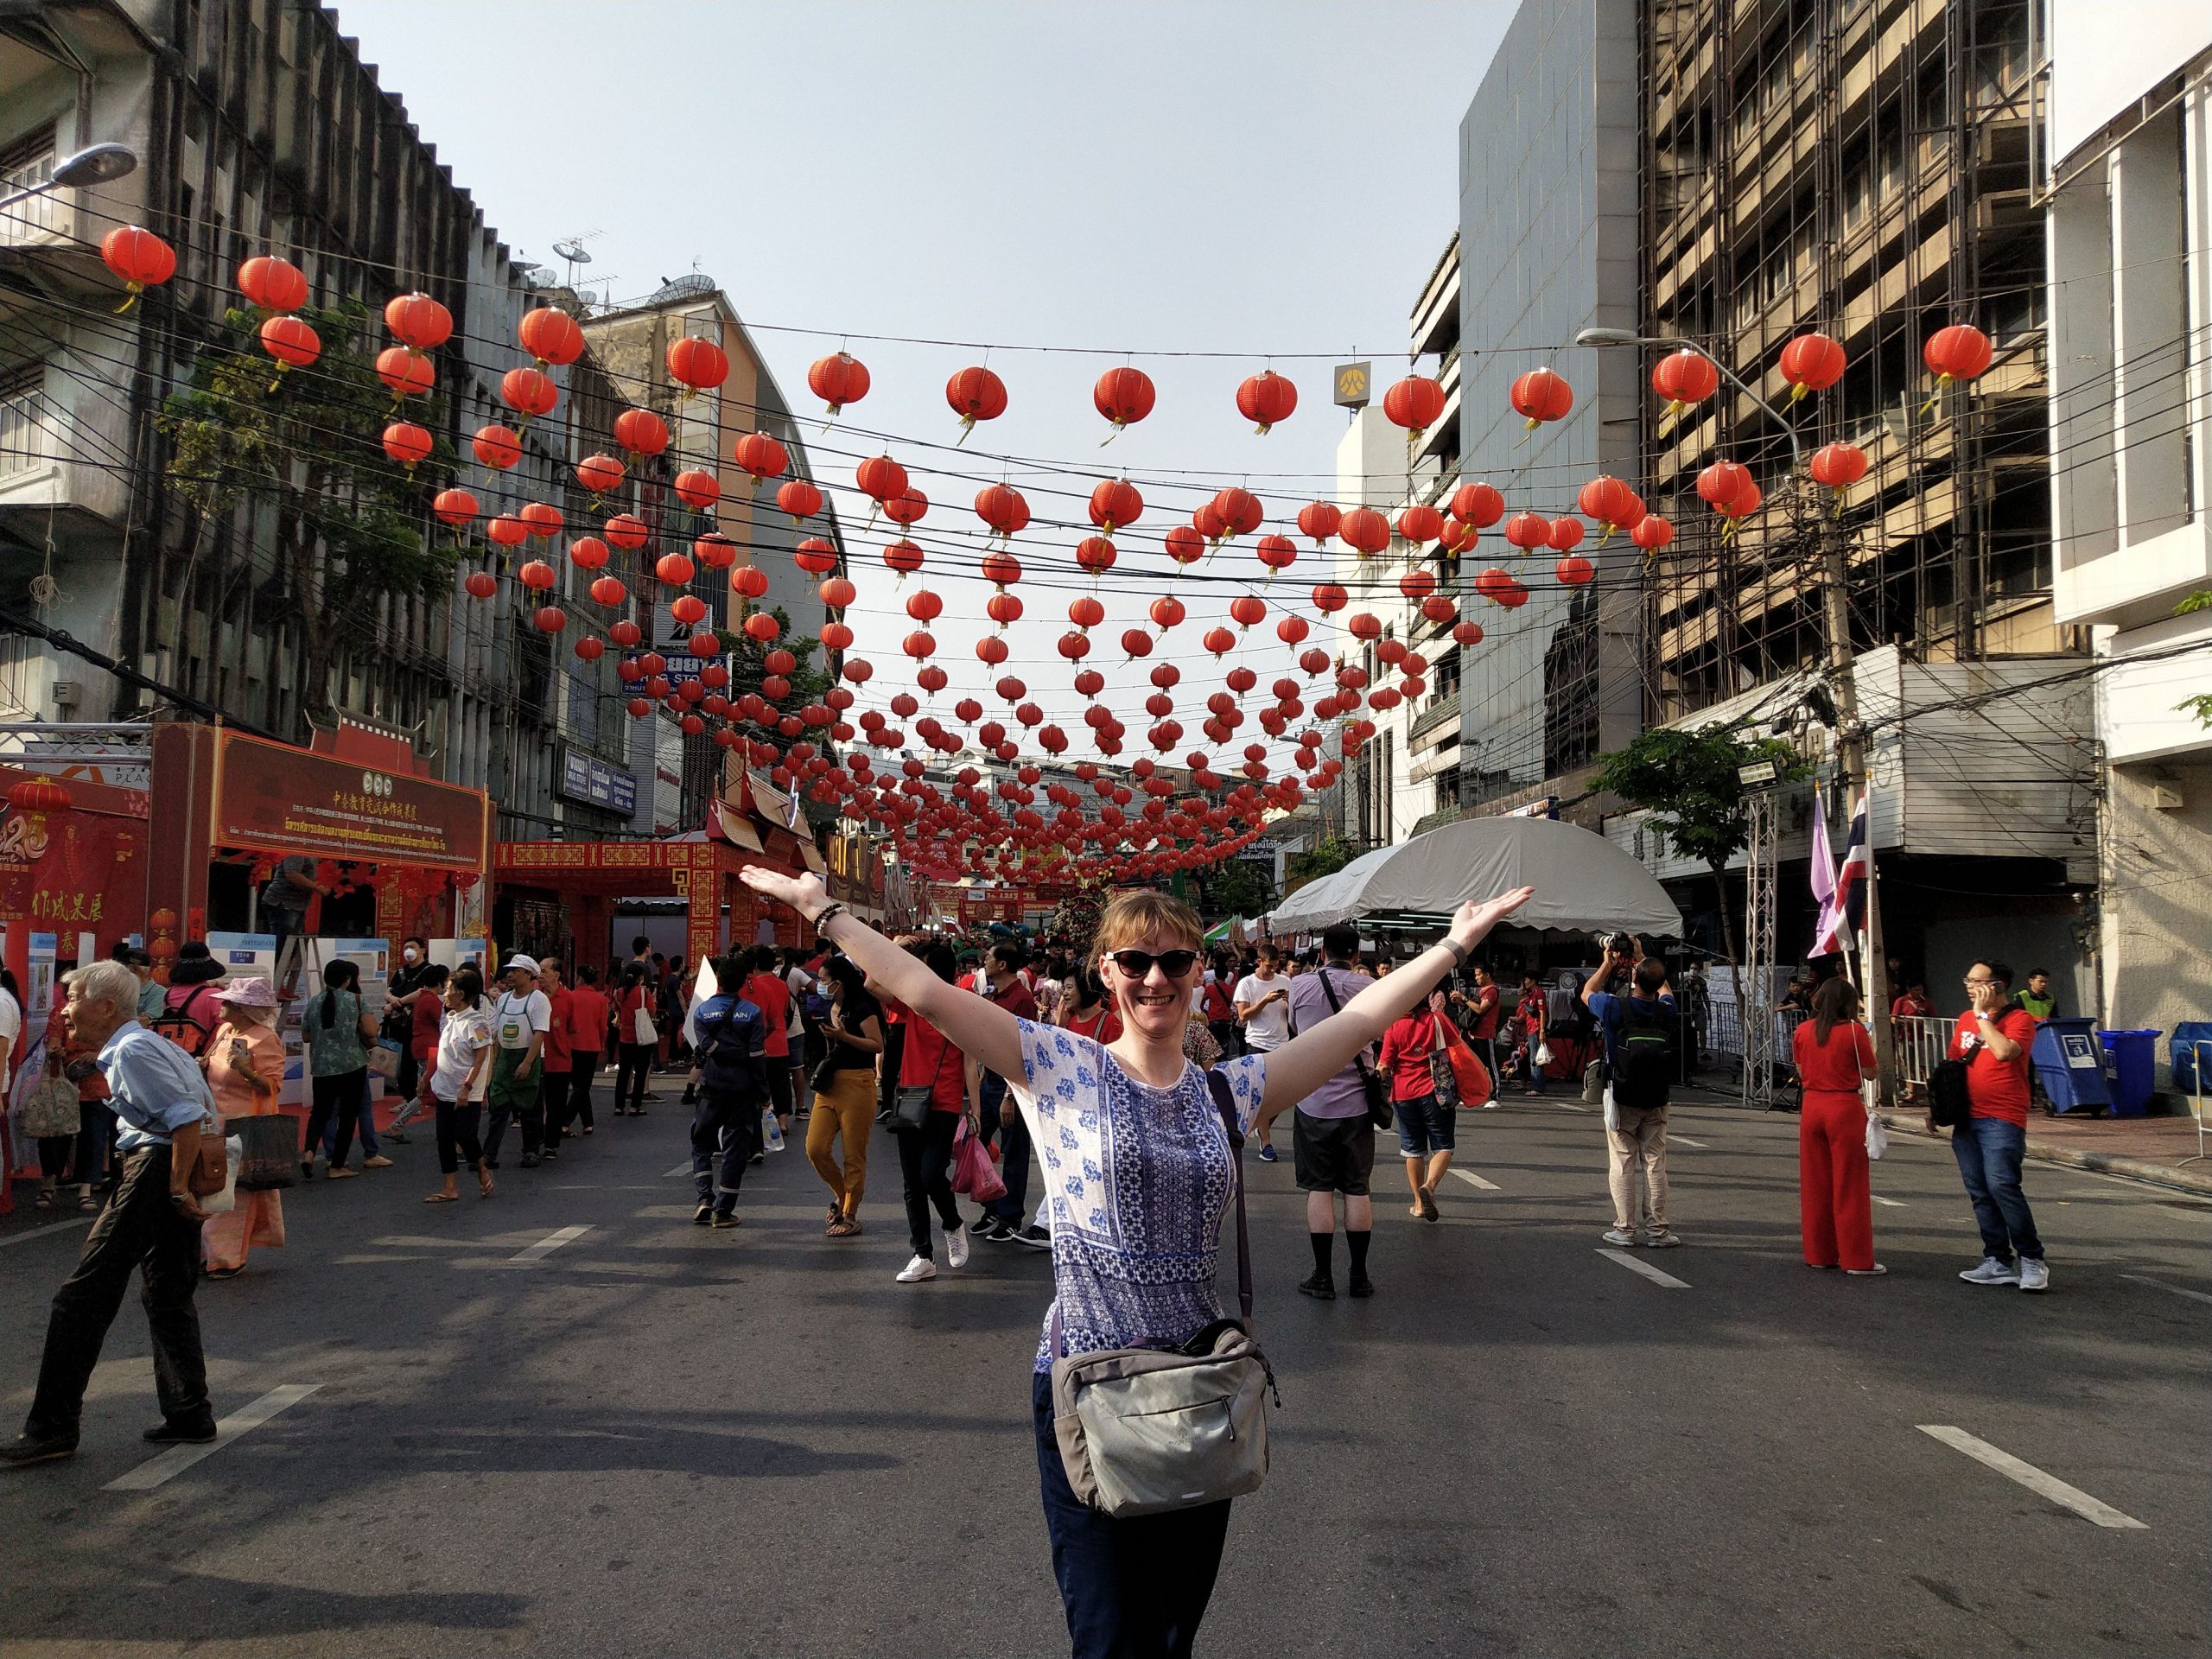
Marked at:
<point>823,916</point>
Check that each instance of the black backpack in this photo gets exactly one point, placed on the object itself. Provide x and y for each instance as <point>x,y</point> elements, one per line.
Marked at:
<point>1644,1055</point>
<point>1948,1105</point>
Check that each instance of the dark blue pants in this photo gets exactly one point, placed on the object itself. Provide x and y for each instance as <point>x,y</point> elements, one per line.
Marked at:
<point>1989,1150</point>
<point>1013,1148</point>
<point>1134,1589</point>
<point>725,1130</point>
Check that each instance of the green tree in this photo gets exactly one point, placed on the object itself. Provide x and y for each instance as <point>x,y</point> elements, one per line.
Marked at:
<point>2201,704</point>
<point>348,523</point>
<point>1687,780</point>
<point>1325,857</point>
<point>1236,887</point>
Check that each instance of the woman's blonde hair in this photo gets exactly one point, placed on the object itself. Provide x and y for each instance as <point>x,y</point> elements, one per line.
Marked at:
<point>1129,917</point>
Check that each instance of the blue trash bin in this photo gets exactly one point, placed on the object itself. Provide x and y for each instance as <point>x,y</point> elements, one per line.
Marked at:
<point>2191,1039</point>
<point>2131,1070</point>
<point>2070,1066</point>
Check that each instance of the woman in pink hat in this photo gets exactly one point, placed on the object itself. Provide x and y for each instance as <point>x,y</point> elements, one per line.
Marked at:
<point>244,1063</point>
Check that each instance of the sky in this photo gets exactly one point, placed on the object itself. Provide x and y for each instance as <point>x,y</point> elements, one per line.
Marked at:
<point>1249,178</point>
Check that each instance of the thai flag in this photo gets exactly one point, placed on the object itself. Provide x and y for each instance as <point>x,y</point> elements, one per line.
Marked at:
<point>1845,911</point>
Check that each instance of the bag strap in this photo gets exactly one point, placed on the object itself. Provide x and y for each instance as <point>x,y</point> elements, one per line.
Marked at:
<point>1227,1106</point>
<point>1359,1058</point>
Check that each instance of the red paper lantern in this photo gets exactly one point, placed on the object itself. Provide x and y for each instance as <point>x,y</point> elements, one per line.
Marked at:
<point>1477,504</point>
<point>587,553</point>
<point>838,593</point>
<point>1319,519</point>
<point>838,380</point>
<point>1276,552</point>
<point>549,619</point>
<point>496,447</point>
<point>1653,533</point>
<point>626,530</point>
<point>417,321</point>
<point>1124,395</point>
<point>1000,568</point>
<point>1166,612</point>
<point>696,365</point>
<point>1611,503</point>
<point>880,476</point>
<point>291,342</point>
<point>1417,585</point>
<point>1240,511</point>
<point>1683,379</point>
<point>641,432</point>
<point>1365,624</point>
<point>1328,598</point>
<point>1722,482</point>
<point>760,455</point>
<point>138,258</point>
<point>527,391</point>
<point>1960,351</point>
<point>608,590</point>
<point>1527,530</point>
<point>551,335</point>
<point>541,519</point>
<point>1413,402</point>
<point>454,507</point>
<point>1364,530</point>
<point>1292,629</point>
<point>480,584</point>
<point>1575,570</point>
<point>1811,363</point>
<point>763,626</point>
<point>625,633</point>
<point>599,475</point>
<point>506,531</point>
<point>1095,555</point>
<point>904,557</point>
<point>1115,503</point>
<point>1467,633</point>
<point>407,443</point>
<point>815,556</point>
<point>975,394</point>
<point>1266,398</point>
<point>697,490</point>
<point>1185,543</point>
<point>675,569</point>
<point>1002,509</point>
<point>1839,466</point>
<point>1539,395</point>
<point>1564,534</point>
<point>272,283</point>
<point>1419,524</point>
<point>1247,609</point>
<point>404,373</point>
<point>799,498</point>
<point>591,648</point>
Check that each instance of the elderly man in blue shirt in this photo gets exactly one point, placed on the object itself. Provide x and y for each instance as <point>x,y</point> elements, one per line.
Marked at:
<point>151,1223</point>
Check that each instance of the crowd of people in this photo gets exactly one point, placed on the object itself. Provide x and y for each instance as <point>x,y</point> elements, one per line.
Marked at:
<point>1120,1083</point>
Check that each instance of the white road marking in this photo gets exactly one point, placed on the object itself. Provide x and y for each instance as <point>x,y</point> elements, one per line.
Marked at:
<point>50,1227</point>
<point>550,1242</point>
<point>2034,1479</point>
<point>1475,1180</point>
<point>178,1458</point>
<point>2160,1284</point>
<point>1635,1264</point>
<point>1571,1106</point>
<point>1684,1141</point>
<point>683,1168</point>
<point>1894,1204</point>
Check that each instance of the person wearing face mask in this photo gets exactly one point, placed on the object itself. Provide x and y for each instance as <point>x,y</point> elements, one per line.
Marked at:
<point>1137,1158</point>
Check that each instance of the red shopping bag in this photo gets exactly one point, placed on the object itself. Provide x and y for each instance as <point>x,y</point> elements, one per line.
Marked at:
<point>1466,1070</point>
<point>975,1166</point>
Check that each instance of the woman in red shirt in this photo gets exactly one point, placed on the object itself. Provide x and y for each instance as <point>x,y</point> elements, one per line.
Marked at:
<point>928,1059</point>
<point>1425,1133</point>
<point>1835,1202</point>
<point>1084,1010</point>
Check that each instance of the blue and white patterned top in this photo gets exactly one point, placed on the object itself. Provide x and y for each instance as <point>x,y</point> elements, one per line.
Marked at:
<point>1137,1179</point>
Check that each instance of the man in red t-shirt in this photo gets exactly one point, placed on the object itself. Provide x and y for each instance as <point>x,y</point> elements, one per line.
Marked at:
<point>766,990</point>
<point>1482,1007</point>
<point>559,1031</point>
<point>1993,1037</point>
<point>588,1021</point>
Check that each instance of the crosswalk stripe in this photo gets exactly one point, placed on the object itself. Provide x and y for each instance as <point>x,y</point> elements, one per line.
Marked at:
<point>547,1245</point>
<point>1475,1180</point>
<point>1893,1203</point>
<point>2034,1479</point>
<point>1636,1264</point>
<point>2160,1284</point>
<point>178,1458</point>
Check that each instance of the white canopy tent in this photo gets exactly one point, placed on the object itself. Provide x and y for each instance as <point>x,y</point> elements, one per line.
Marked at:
<point>1584,883</point>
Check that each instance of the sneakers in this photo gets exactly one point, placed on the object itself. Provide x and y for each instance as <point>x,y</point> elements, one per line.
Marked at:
<point>921,1270</point>
<point>340,1173</point>
<point>704,1214</point>
<point>1360,1286</point>
<point>1267,1154</point>
<point>166,1433</point>
<point>26,1449</point>
<point>1615,1236</point>
<point>1662,1239</point>
<point>991,1229</point>
<point>2034,1275</point>
<point>955,1247</point>
<point>1033,1235</point>
<point>1993,1272</point>
<point>1322,1288</point>
<point>1874,1271</point>
<point>529,1161</point>
<point>726,1220</point>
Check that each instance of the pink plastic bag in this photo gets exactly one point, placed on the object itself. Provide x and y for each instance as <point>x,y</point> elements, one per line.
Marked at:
<point>975,1167</point>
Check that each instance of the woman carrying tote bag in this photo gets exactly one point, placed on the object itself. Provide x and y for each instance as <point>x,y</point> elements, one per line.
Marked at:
<point>637,1039</point>
<point>1139,1167</point>
<point>245,1064</point>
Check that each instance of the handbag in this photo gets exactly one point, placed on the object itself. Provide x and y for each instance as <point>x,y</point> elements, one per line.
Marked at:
<point>211,1170</point>
<point>1146,1430</point>
<point>910,1107</point>
<point>975,1170</point>
<point>1471,1078</point>
<point>1380,1112</point>
<point>1878,1135</point>
<point>224,1197</point>
<point>269,1147</point>
<point>51,1109</point>
<point>1543,1057</point>
<point>383,1058</point>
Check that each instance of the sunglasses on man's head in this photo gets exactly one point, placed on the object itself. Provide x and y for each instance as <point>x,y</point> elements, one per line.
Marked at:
<point>1137,963</point>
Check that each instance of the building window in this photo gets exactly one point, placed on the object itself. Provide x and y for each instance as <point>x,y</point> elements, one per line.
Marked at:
<point>22,424</point>
<point>24,165</point>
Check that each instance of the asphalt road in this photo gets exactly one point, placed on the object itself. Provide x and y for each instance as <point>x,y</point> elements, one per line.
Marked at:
<point>653,1439</point>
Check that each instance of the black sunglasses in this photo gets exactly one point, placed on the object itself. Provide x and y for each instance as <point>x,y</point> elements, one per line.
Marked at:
<point>1137,963</point>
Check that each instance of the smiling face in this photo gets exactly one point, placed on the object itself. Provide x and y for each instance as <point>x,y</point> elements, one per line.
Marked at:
<point>1155,1004</point>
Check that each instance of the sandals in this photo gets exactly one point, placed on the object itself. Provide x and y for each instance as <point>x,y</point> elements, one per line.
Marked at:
<point>443,1197</point>
<point>843,1227</point>
<point>486,1186</point>
<point>44,1200</point>
<point>88,1203</point>
<point>1428,1211</point>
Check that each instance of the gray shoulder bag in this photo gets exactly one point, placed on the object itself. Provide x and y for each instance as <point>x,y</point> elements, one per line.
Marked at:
<point>1144,1431</point>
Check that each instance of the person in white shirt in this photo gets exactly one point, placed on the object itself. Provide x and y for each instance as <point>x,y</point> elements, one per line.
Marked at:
<point>11,1034</point>
<point>1262,1000</point>
<point>455,1087</point>
<point>518,1027</point>
<point>798,982</point>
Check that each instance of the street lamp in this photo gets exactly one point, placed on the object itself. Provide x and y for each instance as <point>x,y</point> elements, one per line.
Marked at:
<point>1630,337</point>
<point>95,165</point>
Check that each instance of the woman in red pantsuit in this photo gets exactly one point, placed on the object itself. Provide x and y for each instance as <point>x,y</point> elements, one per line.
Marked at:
<point>1835,1195</point>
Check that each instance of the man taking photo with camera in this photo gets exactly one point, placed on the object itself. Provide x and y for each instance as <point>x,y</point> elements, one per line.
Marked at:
<point>1643,1038</point>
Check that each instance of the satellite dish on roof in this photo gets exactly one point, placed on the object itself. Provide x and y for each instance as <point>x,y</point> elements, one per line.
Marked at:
<point>573,251</point>
<point>691,286</point>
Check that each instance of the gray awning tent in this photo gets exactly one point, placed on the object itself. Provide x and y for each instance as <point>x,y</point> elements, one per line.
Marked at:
<point>1584,883</point>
